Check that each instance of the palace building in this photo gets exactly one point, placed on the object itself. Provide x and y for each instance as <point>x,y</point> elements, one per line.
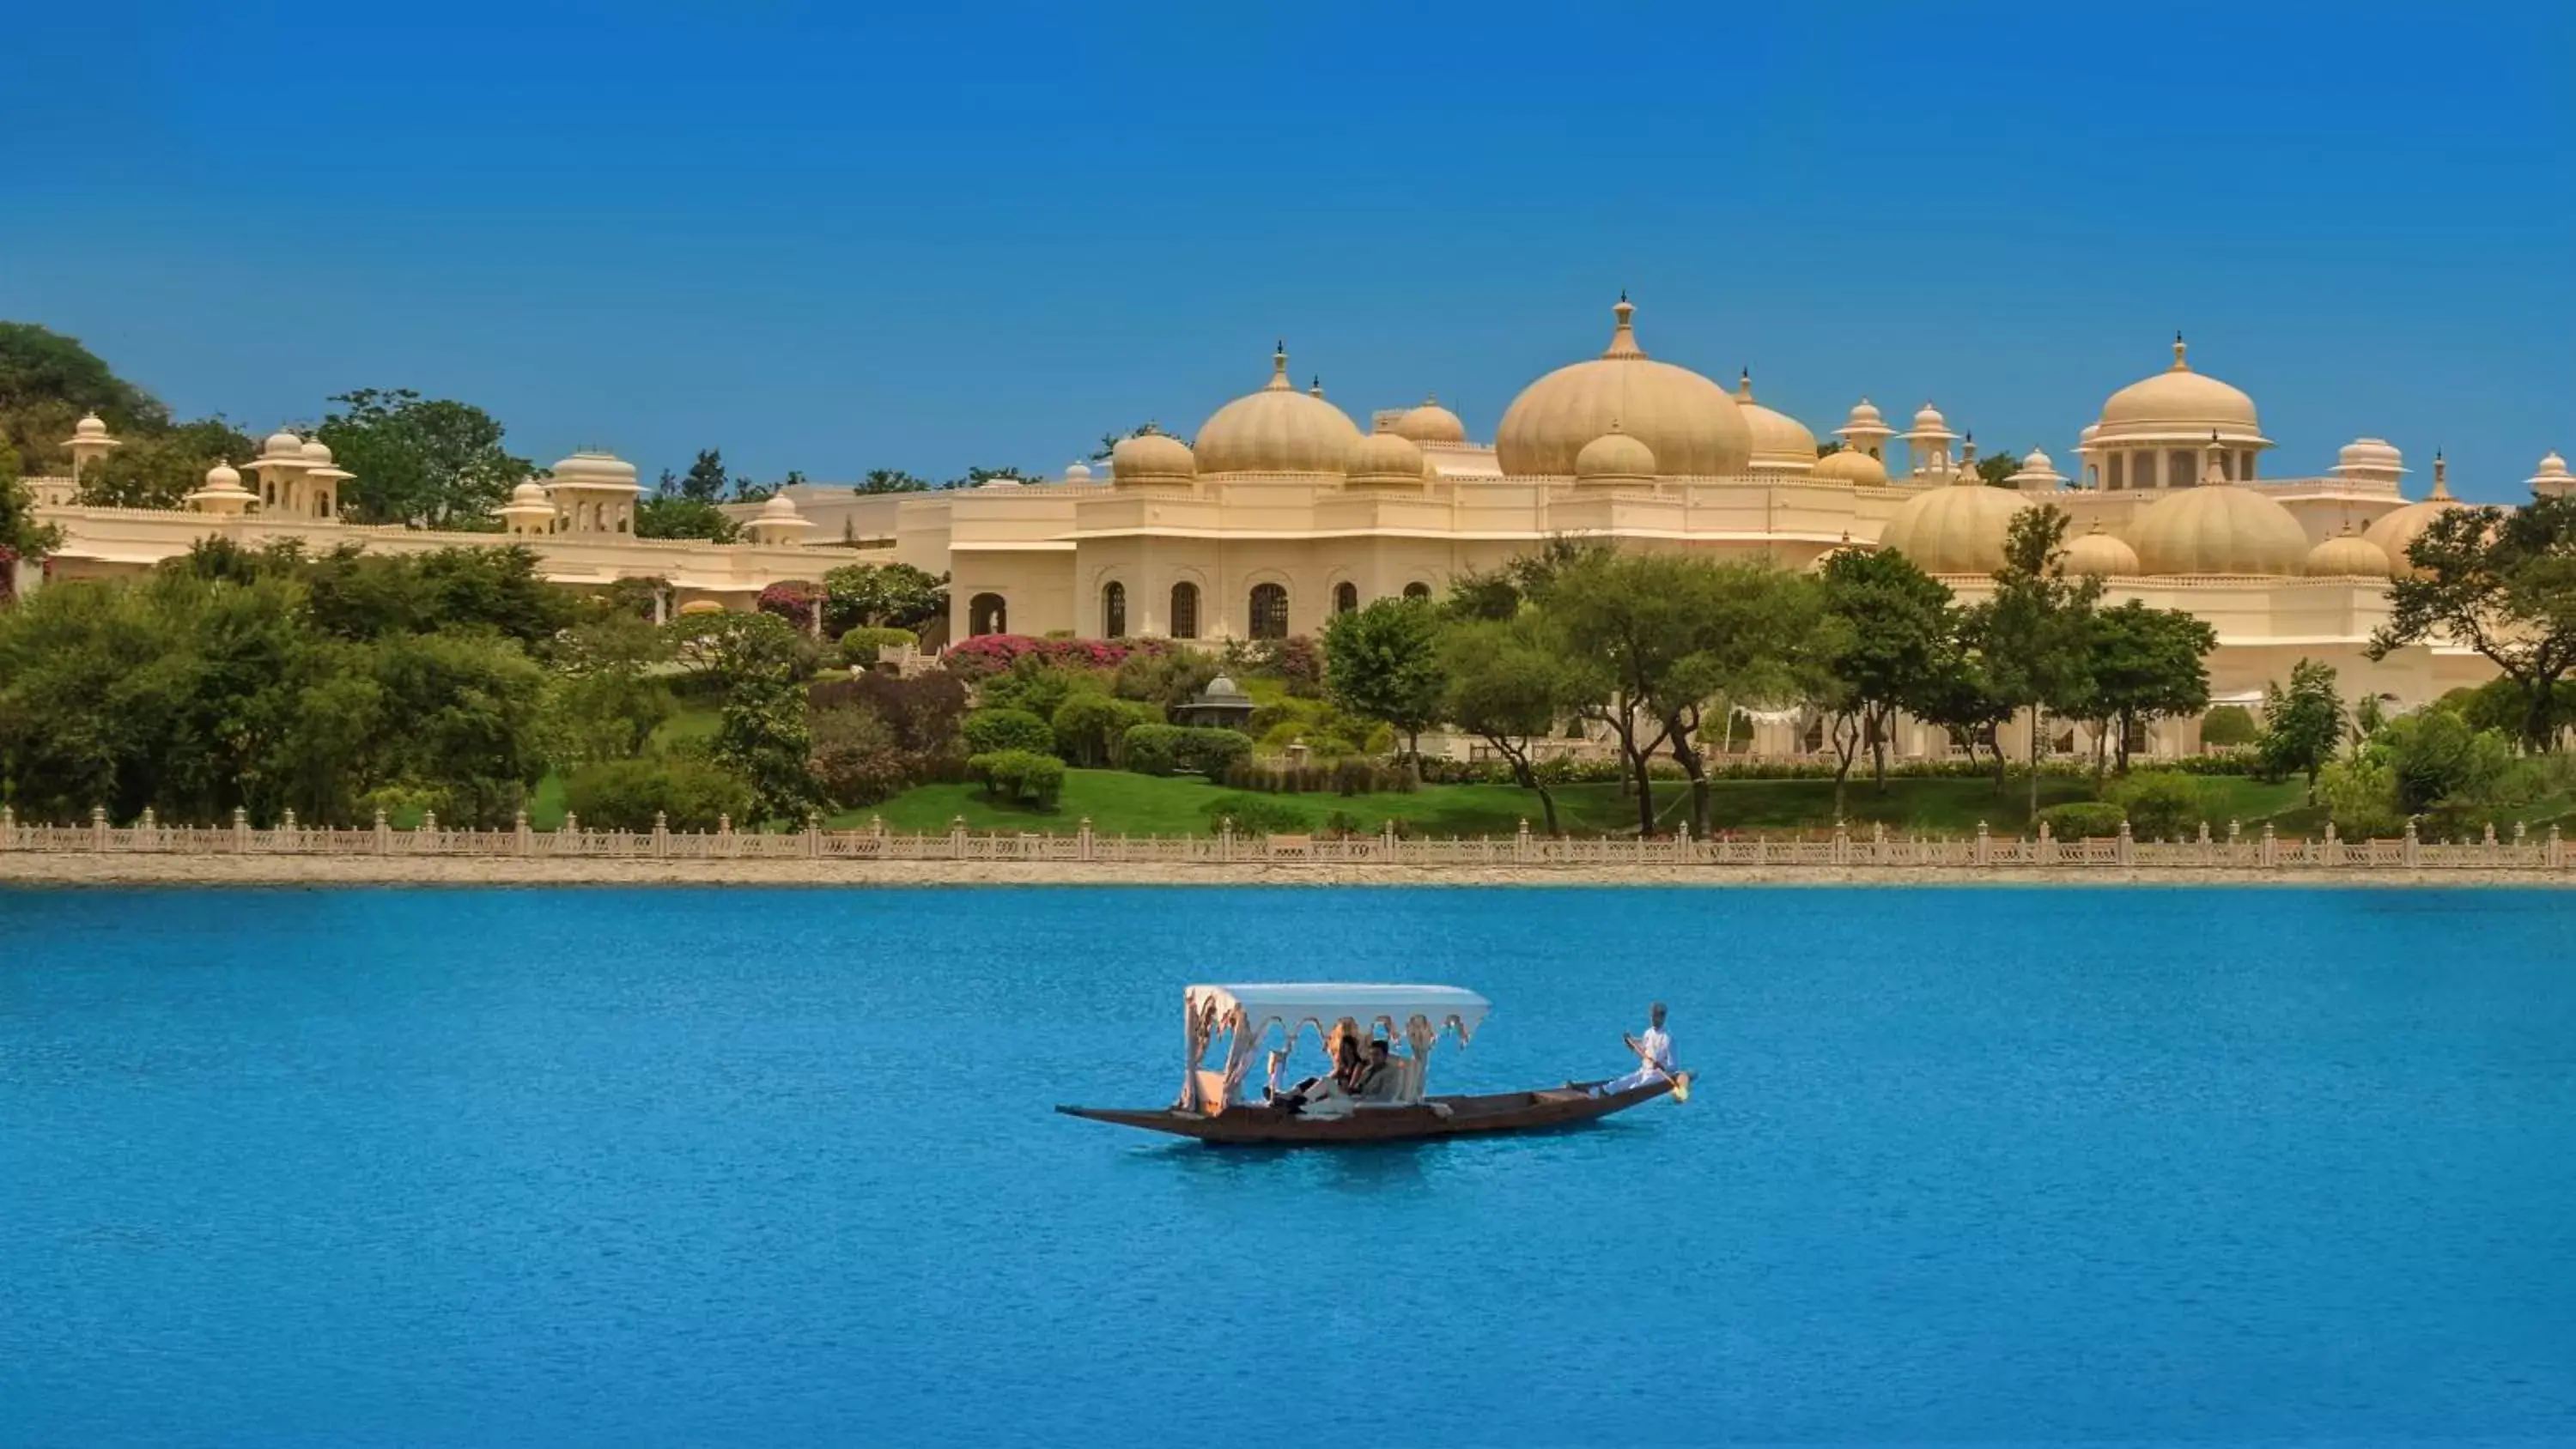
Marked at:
<point>1282,510</point>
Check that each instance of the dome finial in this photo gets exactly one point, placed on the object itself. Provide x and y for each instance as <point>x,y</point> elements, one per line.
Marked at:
<point>1279,368</point>
<point>2441,476</point>
<point>1623,337</point>
<point>1744,385</point>
<point>2182,363</point>
<point>1315,387</point>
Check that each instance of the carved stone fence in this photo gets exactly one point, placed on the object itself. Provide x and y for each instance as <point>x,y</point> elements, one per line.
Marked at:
<point>1842,848</point>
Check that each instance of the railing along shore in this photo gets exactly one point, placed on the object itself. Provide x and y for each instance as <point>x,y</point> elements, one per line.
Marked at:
<point>2232,849</point>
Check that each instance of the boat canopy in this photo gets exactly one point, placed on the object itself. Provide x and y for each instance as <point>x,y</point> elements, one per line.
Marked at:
<point>1415,1015</point>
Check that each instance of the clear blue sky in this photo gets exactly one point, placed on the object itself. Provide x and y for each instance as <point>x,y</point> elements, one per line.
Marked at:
<point>834,238</point>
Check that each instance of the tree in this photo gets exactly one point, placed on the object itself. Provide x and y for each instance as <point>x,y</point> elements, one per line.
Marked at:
<point>2504,584</point>
<point>2036,629</point>
<point>707,480</point>
<point>2302,725</point>
<point>425,463</point>
<point>361,596</point>
<point>976,477</point>
<point>1997,469</point>
<point>881,596</point>
<point>2145,664</point>
<point>2227,726</point>
<point>1894,622</point>
<point>21,536</point>
<point>671,515</point>
<point>1960,695</point>
<point>47,380</point>
<point>1383,662</point>
<point>160,470</point>
<point>889,480</point>
<point>1509,683</point>
<point>757,663</point>
<point>609,696</point>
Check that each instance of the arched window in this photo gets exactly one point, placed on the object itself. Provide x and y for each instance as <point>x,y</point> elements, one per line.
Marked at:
<point>1346,598</point>
<point>1113,610</point>
<point>2119,471</point>
<point>987,614</point>
<point>1185,611</point>
<point>1417,590</point>
<point>1269,611</point>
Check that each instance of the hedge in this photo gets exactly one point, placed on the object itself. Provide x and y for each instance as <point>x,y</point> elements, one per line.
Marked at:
<point>1020,775</point>
<point>1091,729</point>
<point>2080,819</point>
<point>860,645</point>
<point>624,794</point>
<point>1151,749</point>
<point>989,731</point>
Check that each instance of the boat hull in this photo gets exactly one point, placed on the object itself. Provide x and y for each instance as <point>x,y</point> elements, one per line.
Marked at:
<point>1257,1124</point>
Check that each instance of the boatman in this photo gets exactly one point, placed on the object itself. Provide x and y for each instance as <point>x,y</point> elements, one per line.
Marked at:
<point>1654,1056</point>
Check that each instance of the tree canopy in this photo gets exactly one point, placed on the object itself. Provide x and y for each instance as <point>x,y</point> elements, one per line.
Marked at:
<point>427,463</point>
<point>1383,661</point>
<point>2303,724</point>
<point>2504,584</point>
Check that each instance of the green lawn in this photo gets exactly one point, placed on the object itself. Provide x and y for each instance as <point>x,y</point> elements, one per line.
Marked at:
<point>1121,803</point>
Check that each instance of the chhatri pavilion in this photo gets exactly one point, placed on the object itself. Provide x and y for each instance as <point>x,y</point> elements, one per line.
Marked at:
<point>1282,510</point>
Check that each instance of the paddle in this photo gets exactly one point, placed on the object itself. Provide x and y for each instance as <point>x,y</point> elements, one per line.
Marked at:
<point>1681,1086</point>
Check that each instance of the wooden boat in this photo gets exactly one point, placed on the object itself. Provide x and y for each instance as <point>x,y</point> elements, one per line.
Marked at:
<point>1212,1108</point>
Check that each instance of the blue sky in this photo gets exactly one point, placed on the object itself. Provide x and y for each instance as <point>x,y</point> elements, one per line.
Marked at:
<point>835,238</point>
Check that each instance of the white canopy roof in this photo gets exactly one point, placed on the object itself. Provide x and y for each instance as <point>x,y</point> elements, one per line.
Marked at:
<point>1251,1007</point>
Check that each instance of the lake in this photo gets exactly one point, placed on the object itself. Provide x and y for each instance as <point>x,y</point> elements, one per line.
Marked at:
<point>594,1167</point>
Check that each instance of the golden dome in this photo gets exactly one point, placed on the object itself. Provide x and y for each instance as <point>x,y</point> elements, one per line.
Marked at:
<point>2219,528</point>
<point>702,606</point>
<point>1957,528</point>
<point>2179,402</point>
<point>89,428</point>
<point>1615,457</point>
<point>1690,424</point>
<point>1781,444</point>
<point>2037,474</point>
<point>2553,476</point>
<point>2102,555</point>
<point>1152,458</point>
<point>1431,423</point>
<point>2348,555</point>
<point>595,470</point>
<point>1386,460</point>
<point>1276,430</point>
<point>222,478</point>
<point>283,444</point>
<point>2395,532</point>
<point>1849,465</point>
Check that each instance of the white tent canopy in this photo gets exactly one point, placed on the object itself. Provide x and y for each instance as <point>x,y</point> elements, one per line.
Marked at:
<point>1414,1014</point>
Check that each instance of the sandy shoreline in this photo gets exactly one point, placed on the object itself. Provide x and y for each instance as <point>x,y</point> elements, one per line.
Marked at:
<point>67,869</point>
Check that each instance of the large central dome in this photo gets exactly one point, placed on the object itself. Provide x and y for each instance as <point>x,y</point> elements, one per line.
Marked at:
<point>1276,430</point>
<point>1691,425</point>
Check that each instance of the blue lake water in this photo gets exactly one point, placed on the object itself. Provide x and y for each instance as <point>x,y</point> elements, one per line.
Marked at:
<point>736,1167</point>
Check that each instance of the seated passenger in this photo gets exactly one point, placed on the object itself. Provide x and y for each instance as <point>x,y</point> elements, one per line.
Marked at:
<point>1376,1076</point>
<point>1347,1066</point>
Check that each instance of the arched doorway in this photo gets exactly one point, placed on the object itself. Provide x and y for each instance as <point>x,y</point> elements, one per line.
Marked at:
<point>1113,610</point>
<point>1269,611</point>
<point>1185,611</point>
<point>1417,590</point>
<point>1346,598</point>
<point>987,614</point>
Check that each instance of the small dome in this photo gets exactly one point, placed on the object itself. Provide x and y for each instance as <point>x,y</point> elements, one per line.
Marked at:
<point>1928,419</point>
<point>1781,444</point>
<point>1077,472</point>
<point>2396,532</point>
<point>2348,555</point>
<point>595,470</point>
<point>1385,458</point>
<point>2102,555</point>
<point>1850,465</point>
<point>2553,476</point>
<point>779,506</point>
<point>318,452</point>
<point>2369,460</point>
<point>531,491</point>
<point>702,606</point>
<point>2179,403</point>
<point>1615,457</point>
<point>222,477</point>
<point>1152,457</point>
<point>2219,528</point>
<point>1864,414</point>
<point>2037,474</point>
<point>2084,439</point>
<point>90,427</point>
<point>1431,423</point>
<point>283,444</point>
<point>1690,424</point>
<point>1957,528</point>
<point>1276,430</point>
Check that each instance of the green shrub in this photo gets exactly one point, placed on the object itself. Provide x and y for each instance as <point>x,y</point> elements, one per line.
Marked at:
<point>1353,776</point>
<point>2081,819</point>
<point>859,646</point>
<point>990,731</point>
<point>624,794</point>
<point>1257,815</point>
<point>1039,687</point>
<point>857,758</point>
<point>1090,729</point>
<point>1020,775</point>
<point>2229,726</point>
<point>2162,804</point>
<point>1151,749</point>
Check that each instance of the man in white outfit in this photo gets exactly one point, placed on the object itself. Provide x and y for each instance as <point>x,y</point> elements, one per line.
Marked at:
<point>1654,1056</point>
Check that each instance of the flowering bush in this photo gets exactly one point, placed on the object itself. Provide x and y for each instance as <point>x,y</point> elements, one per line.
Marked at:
<point>990,654</point>
<point>791,601</point>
